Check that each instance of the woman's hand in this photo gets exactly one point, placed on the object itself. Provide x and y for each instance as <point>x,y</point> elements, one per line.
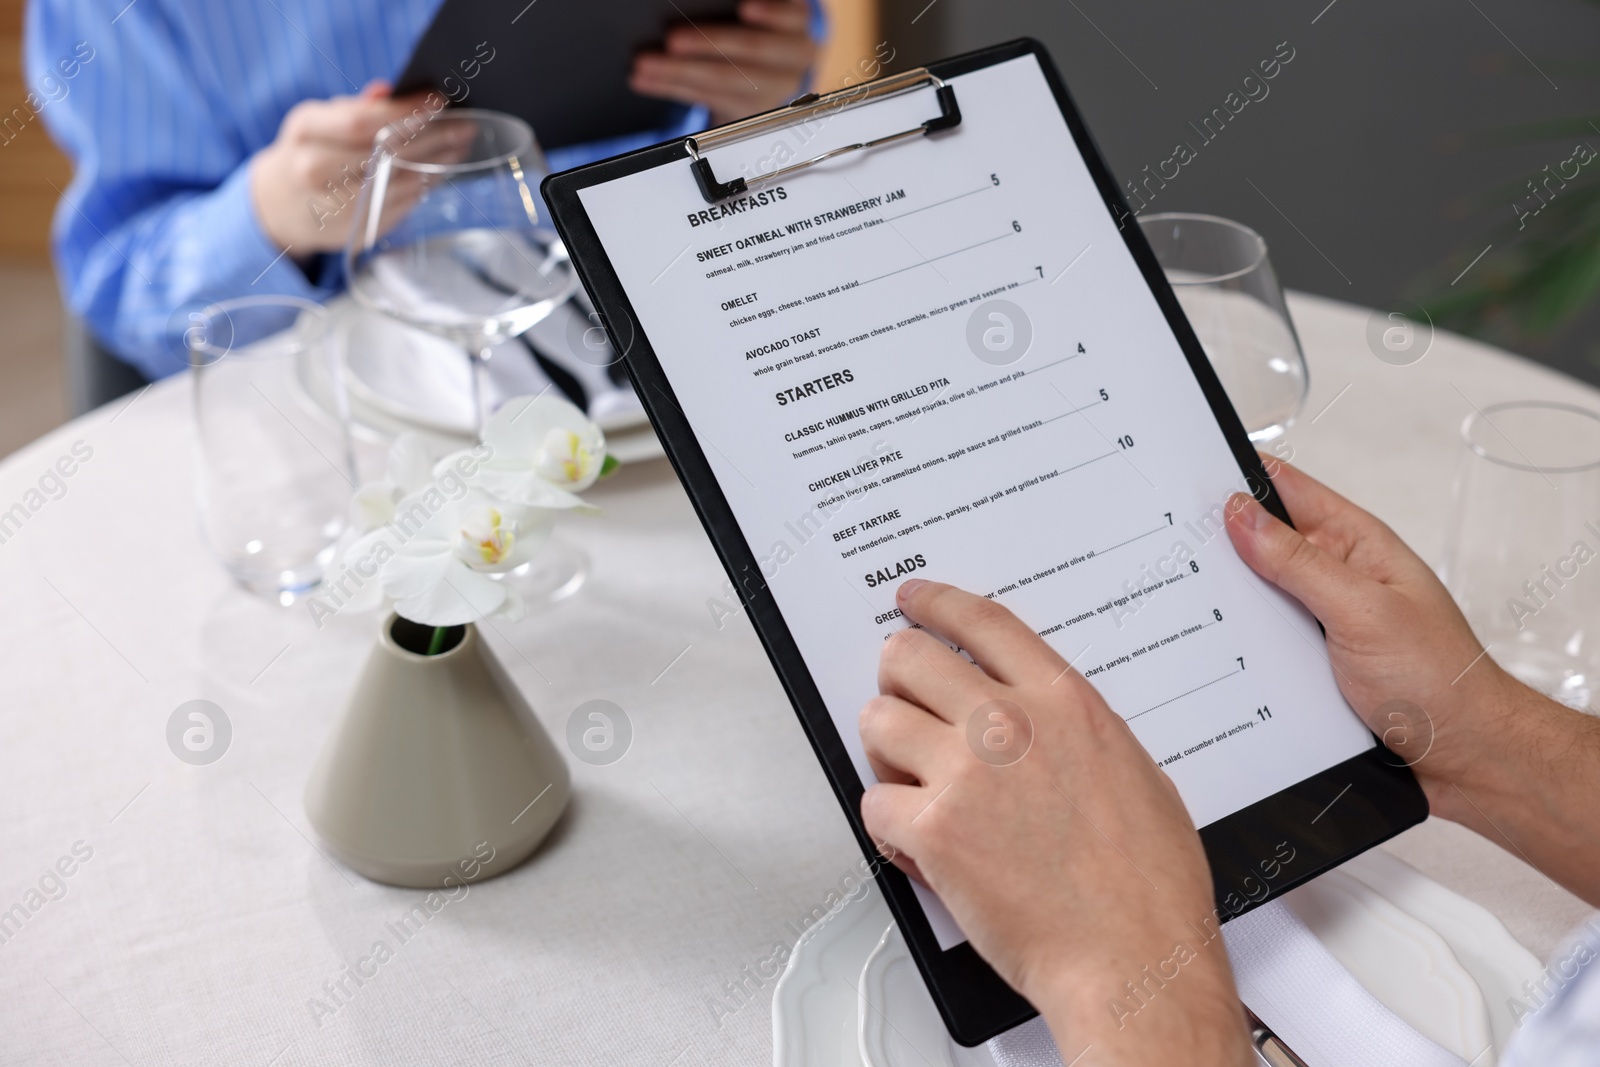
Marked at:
<point>735,70</point>
<point>303,185</point>
<point>1017,795</point>
<point>1490,753</point>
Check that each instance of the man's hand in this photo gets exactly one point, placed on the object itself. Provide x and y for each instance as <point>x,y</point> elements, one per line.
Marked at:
<point>1059,845</point>
<point>321,142</point>
<point>1395,638</point>
<point>1490,753</point>
<point>734,70</point>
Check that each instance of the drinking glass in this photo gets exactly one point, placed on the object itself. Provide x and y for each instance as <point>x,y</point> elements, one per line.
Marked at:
<point>274,471</point>
<point>1220,272</point>
<point>448,237</point>
<point>1523,552</point>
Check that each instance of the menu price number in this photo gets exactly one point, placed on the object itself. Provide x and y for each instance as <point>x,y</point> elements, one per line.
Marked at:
<point>1263,713</point>
<point>1016,227</point>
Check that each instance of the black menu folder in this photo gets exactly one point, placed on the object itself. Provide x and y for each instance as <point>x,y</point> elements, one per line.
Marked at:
<point>560,65</point>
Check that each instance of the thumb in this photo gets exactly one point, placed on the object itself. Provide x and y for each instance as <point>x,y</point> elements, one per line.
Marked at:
<point>377,89</point>
<point>1282,556</point>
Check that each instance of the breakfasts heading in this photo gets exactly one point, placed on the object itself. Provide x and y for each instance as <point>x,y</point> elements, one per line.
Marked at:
<point>815,387</point>
<point>737,206</point>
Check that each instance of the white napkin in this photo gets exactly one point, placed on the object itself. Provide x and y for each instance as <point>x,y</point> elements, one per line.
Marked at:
<point>1028,1045</point>
<point>1298,989</point>
<point>434,379</point>
<point>565,338</point>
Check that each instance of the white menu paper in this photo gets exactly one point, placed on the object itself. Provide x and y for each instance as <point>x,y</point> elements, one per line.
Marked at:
<point>938,359</point>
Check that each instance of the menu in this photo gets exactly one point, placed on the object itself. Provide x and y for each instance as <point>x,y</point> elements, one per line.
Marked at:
<point>939,360</point>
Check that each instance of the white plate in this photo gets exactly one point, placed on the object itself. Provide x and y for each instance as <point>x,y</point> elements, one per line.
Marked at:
<point>1399,960</point>
<point>1440,962</point>
<point>634,446</point>
<point>896,1020</point>
<point>814,1004</point>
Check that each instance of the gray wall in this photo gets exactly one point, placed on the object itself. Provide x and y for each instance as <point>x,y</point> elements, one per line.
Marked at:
<point>1367,143</point>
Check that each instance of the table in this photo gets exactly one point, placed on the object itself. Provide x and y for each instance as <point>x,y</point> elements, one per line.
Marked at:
<point>206,926</point>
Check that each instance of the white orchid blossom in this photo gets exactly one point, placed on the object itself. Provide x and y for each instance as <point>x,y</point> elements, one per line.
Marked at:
<point>372,507</point>
<point>409,470</point>
<point>435,537</point>
<point>443,574</point>
<point>437,556</point>
<point>544,452</point>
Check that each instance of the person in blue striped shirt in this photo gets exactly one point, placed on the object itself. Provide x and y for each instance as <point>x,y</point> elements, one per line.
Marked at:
<point>202,133</point>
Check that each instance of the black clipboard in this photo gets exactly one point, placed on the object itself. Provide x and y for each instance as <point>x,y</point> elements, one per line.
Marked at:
<point>1378,795</point>
<point>559,65</point>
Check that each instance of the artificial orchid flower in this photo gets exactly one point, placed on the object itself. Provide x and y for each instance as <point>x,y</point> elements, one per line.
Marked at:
<point>442,574</point>
<point>409,470</point>
<point>435,537</point>
<point>543,452</point>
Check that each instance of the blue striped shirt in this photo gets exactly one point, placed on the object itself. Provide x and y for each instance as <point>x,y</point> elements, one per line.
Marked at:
<point>167,102</point>
<point>1560,1015</point>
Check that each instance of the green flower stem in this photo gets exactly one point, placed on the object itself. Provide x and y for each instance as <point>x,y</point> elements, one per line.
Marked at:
<point>436,642</point>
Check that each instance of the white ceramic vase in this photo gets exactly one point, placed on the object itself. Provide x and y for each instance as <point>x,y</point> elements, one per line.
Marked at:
<point>437,764</point>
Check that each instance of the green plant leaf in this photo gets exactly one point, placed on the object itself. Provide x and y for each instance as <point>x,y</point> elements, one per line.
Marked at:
<point>1547,271</point>
<point>1549,129</point>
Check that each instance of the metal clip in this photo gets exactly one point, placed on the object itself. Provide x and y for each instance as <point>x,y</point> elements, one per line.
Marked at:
<point>807,107</point>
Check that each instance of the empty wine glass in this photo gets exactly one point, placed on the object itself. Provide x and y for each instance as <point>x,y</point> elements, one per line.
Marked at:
<point>1523,536</point>
<point>448,236</point>
<point>1220,272</point>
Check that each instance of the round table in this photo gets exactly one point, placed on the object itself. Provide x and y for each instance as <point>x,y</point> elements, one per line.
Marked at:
<point>166,913</point>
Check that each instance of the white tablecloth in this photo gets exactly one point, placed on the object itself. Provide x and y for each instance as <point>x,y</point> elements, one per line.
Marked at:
<point>206,927</point>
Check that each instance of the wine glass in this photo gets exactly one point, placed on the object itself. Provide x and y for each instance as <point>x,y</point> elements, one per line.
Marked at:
<point>448,236</point>
<point>1523,536</point>
<point>1220,273</point>
<point>448,239</point>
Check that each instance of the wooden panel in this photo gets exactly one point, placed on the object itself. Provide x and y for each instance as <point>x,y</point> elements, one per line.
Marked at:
<point>29,162</point>
<point>11,62</point>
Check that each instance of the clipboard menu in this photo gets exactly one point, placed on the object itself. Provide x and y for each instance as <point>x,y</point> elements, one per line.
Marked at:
<point>954,358</point>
